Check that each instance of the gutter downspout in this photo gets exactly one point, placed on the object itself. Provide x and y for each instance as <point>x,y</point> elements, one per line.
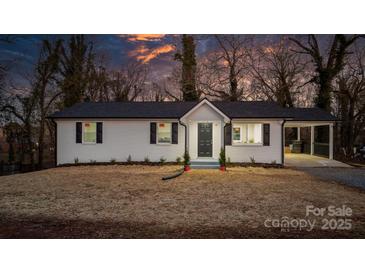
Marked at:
<point>186,134</point>
<point>282,142</point>
<point>224,136</point>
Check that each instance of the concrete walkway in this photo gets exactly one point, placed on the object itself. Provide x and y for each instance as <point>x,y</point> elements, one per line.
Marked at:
<point>306,160</point>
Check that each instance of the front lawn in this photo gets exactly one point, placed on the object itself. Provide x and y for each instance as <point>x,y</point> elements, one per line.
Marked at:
<point>133,202</point>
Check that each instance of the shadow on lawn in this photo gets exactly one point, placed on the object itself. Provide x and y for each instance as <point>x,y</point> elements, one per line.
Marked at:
<point>41,228</point>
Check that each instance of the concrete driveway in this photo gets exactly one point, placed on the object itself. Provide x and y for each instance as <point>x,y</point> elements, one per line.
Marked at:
<point>306,160</point>
<point>349,176</point>
<point>326,169</point>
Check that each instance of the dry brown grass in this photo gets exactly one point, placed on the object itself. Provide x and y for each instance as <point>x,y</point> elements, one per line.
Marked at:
<point>133,202</point>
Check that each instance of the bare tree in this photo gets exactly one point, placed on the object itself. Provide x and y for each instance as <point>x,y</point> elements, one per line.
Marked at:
<point>97,87</point>
<point>5,39</point>
<point>127,84</point>
<point>350,95</point>
<point>76,62</point>
<point>277,72</point>
<point>155,92</point>
<point>327,64</point>
<point>45,75</point>
<point>22,108</point>
<point>224,70</point>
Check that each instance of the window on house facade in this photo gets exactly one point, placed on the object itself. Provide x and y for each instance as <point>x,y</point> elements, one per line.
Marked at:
<point>236,134</point>
<point>247,133</point>
<point>164,133</point>
<point>89,132</point>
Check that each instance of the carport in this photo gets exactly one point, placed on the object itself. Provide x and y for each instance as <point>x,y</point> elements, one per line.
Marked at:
<point>308,138</point>
<point>315,138</point>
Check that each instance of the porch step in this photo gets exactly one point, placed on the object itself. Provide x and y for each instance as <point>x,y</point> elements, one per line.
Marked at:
<point>204,165</point>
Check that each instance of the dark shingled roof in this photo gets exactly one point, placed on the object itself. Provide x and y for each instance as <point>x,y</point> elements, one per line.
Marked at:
<point>126,110</point>
<point>247,109</point>
<point>309,114</point>
<point>251,109</point>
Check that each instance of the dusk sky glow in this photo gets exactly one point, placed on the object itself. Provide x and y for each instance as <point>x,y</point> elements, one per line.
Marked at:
<point>154,50</point>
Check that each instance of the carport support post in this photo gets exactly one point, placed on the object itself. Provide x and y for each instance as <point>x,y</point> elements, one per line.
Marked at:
<point>298,129</point>
<point>312,140</point>
<point>331,142</point>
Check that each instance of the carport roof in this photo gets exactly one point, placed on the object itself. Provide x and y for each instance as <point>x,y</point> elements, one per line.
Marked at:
<point>309,114</point>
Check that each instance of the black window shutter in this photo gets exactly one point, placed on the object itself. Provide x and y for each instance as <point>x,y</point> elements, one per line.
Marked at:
<point>228,135</point>
<point>99,132</point>
<point>266,134</point>
<point>78,132</point>
<point>153,133</point>
<point>175,133</point>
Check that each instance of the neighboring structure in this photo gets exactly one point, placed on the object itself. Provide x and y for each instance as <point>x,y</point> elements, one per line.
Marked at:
<point>249,131</point>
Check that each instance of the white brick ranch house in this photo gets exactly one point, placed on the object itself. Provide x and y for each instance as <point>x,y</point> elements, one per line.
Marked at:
<point>116,130</point>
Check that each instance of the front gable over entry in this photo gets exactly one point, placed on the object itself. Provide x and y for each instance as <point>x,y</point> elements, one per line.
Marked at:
<point>205,125</point>
<point>205,111</point>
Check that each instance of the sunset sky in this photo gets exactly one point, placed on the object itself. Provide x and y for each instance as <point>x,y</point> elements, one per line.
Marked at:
<point>154,50</point>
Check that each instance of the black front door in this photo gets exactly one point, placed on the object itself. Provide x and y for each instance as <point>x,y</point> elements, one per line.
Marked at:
<point>205,140</point>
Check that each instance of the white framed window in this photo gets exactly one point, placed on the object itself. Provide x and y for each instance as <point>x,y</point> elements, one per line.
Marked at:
<point>164,133</point>
<point>247,133</point>
<point>237,134</point>
<point>89,133</point>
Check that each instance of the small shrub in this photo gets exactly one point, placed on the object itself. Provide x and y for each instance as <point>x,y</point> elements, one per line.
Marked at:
<point>129,159</point>
<point>162,160</point>
<point>222,157</point>
<point>186,158</point>
<point>251,141</point>
<point>92,161</point>
<point>146,159</point>
<point>76,160</point>
<point>178,160</point>
<point>113,161</point>
<point>273,162</point>
<point>252,159</point>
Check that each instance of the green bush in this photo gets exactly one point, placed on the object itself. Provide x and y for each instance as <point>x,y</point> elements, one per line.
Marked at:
<point>222,157</point>
<point>76,160</point>
<point>113,161</point>
<point>178,160</point>
<point>252,159</point>
<point>186,158</point>
<point>146,159</point>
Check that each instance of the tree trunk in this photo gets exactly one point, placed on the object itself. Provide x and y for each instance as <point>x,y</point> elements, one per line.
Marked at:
<point>288,98</point>
<point>350,128</point>
<point>233,85</point>
<point>30,145</point>
<point>41,144</point>
<point>41,124</point>
<point>323,99</point>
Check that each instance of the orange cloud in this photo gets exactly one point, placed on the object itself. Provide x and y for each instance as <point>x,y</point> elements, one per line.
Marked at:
<point>269,50</point>
<point>138,51</point>
<point>145,55</point>
<point>145,37</point>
